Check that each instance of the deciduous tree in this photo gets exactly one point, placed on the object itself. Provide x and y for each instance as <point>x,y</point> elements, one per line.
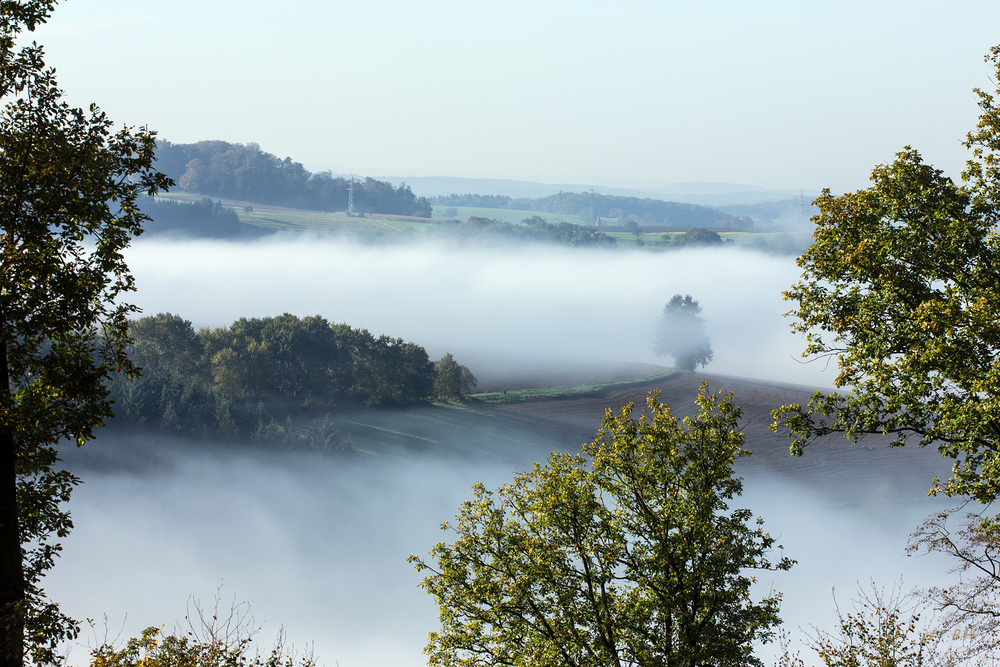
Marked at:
<point>627,554</point>
<point>452,379</point>
<point>632,227</point>
<point>901,286</point>
<point>885,629</point>
<point>969,610</point>
<point>680,333</point>
<point>68,189</point>
<point>697,236</point>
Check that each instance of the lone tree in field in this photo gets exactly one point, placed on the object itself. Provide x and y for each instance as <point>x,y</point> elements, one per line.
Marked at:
<point>902,286</point>
<point>627,554</point>
<point>680,334</point>
<point>632,227</point>
<point>68,191</point>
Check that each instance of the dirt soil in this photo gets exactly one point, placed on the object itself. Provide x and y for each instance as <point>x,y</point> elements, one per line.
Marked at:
<point>869,465</point>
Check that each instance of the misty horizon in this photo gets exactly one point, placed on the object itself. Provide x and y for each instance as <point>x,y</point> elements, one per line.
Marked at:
<point>319,546</point>
<point>489,307</point>
<point>729,104</point>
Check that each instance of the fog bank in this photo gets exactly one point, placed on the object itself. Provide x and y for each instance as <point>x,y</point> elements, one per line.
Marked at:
<point>320,546</point>
<point>515,307</point>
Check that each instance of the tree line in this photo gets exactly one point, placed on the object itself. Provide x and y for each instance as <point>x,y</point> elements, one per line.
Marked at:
<point>591,206</point>
<point>530,229</point>
<point>244,172</point>
<point>248,379</point>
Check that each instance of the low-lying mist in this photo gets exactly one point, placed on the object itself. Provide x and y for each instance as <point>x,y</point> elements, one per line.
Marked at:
<point>320,546</point>
<point>506,309</point>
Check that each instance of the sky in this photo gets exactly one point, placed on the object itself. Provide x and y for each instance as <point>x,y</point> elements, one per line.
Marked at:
<point>779,94</point>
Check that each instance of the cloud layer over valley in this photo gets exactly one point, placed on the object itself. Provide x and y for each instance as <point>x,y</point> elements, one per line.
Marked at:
<point>494,309</point>
<point>320,545</point>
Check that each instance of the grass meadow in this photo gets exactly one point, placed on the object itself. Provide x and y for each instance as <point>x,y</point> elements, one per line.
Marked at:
<point>283,219</point>
<point>513,216</point>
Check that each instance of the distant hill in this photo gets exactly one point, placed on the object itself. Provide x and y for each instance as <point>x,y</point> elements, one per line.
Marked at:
<point>789,214</point>
<point>245,172</point>
<point>702,193</point>
<point>612,208</point>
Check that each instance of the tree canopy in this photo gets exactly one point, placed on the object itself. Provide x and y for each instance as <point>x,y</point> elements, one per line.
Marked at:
<point>202,219</point>
<point>451,379</point>
<point>530,229</point>
<point>697,236</point>
<point>69,184</point>
<point>245,381</point>
<point>626,554</point>
<point>680,333</point>
<point>902,287</point>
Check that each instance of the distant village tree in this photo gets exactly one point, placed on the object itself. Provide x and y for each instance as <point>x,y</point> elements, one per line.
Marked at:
<point>680,334</point>
<point>697,236</point>
<point>69,186</point>
<point>626,554</point>
<point>632,227</point>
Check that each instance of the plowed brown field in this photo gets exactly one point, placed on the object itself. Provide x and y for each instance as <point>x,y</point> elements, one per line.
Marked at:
<point>899,472</point>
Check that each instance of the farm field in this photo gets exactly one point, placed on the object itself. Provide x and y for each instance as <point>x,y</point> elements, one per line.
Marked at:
<point>854,473</point>
<point>651,239</point>
<point>318,221</point>
<point>297,220</point>
<point>520,426</point>
<point>513,216</point>
<point>289,219</point>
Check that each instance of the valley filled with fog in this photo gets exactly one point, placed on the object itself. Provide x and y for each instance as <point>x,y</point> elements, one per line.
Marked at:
<point>493,308</point>
<point>320,545</point>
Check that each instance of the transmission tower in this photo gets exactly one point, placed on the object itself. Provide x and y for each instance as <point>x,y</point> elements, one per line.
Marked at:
<point>592,219</point>
<point>350,197</point>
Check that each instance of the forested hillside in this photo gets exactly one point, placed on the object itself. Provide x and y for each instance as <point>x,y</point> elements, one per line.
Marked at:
<point>244,172</point>
<point>250,378</point>
<point>592,205</point>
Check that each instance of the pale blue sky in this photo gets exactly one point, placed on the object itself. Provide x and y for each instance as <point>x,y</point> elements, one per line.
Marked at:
<point>778,94</point>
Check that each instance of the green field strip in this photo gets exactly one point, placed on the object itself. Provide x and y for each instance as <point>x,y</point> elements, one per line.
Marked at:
<point>511,215</point>
<point>329,223</point>
<point>566,391</point>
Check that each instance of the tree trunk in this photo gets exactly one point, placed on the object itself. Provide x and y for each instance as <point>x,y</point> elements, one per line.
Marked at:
<point>11,567</point>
